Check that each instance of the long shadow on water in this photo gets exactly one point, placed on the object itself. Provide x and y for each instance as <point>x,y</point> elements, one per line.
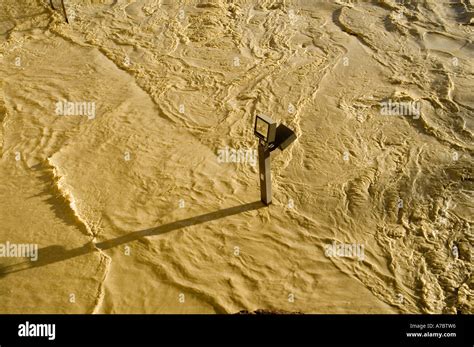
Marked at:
<point>54,254</point>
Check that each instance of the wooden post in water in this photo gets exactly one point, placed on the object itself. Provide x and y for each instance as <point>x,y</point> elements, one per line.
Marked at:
<point>265,173</point>
<point>270,138</point>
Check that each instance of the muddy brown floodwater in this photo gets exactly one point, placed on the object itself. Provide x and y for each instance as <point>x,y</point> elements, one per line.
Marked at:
<point>112,128</point>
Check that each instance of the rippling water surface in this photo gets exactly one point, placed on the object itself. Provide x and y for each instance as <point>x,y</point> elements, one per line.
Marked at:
<point>111,128</point>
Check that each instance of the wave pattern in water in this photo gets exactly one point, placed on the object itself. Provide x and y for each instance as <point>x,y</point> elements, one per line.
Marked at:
<point>173,84</point>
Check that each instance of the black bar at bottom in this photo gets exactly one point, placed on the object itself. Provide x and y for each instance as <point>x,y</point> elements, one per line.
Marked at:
<point>444,330</point>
